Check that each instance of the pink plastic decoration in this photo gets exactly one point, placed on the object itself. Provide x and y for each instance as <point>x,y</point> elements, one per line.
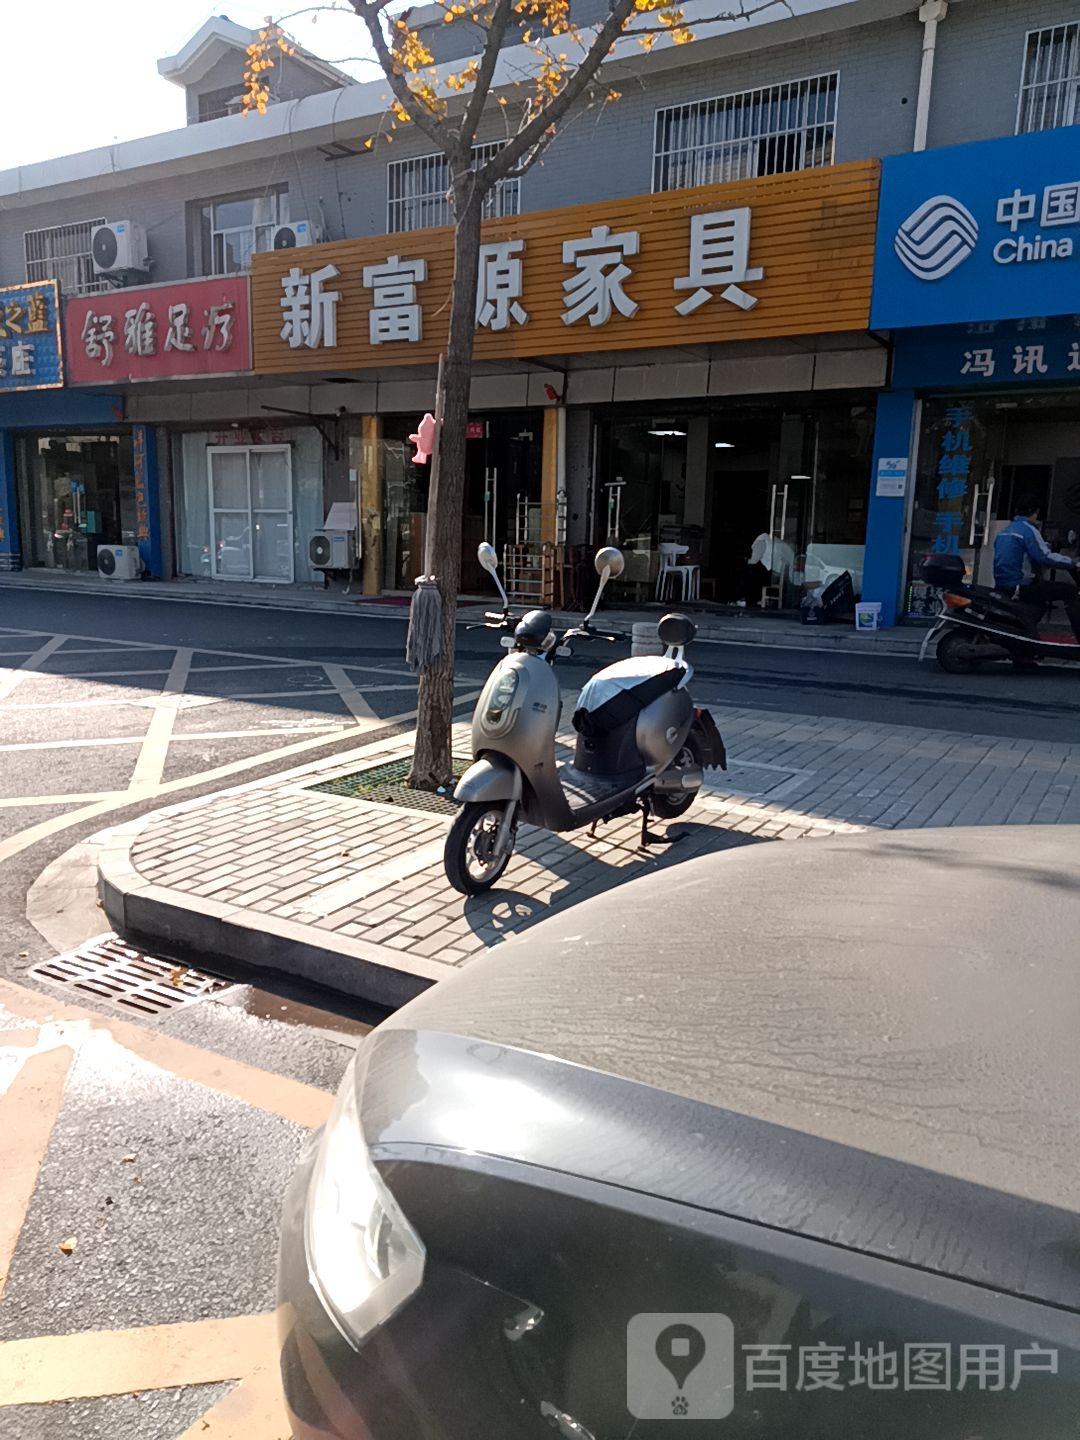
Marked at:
<point>424,440</point>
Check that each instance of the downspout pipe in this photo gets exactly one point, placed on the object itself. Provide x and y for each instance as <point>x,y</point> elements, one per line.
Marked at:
<point>931,13</point>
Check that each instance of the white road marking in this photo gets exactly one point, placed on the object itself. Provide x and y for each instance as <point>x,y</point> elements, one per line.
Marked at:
<point>25,839</point>
<point>354,702</point>
<point>341,724</point>
<point>14,802</point>
<point>101,674</point>
<point>9,678</point>
<point>150,765</point>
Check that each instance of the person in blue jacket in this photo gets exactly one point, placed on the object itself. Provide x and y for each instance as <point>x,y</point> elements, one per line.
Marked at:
<point>1021,555</point>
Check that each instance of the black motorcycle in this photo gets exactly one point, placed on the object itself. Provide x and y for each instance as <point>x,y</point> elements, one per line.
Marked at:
<point>979,624</point>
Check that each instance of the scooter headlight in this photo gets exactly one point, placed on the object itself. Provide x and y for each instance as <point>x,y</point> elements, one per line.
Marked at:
<point>500,698</point>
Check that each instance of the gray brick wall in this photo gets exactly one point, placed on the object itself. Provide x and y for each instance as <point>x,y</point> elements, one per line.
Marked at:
<point>979,61</point>
<point>607,152</point>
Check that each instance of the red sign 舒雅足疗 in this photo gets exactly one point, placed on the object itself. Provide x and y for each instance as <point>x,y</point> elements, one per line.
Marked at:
<point>156,332</point>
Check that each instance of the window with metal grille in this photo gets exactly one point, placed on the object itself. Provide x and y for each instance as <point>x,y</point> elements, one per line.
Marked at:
<point>62,253</point>
<point>755,132</point>
<point>418,191</point>
<point>1050,83</point>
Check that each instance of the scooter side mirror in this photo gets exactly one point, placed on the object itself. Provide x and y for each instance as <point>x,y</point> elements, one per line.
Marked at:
<point>609,564</point>
<point>611,560</point>
<point>488,558</point>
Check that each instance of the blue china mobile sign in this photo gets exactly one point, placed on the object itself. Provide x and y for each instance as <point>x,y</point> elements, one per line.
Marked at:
<point>979,233</point>
<point>31,350</point>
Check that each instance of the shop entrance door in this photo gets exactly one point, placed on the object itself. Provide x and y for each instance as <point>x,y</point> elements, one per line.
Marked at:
<point>251,520</point>
<point>78,492</point>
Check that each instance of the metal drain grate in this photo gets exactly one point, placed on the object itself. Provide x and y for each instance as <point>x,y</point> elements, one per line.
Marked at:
<point>110,969</point>
<point>386,784</point>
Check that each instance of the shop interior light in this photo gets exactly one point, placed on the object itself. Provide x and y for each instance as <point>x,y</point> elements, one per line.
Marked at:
<point>802,477</point>
<point>723,445</point>
<point>668,432</point>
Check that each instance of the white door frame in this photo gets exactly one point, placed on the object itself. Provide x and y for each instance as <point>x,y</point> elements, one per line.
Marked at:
<point>247,451</point>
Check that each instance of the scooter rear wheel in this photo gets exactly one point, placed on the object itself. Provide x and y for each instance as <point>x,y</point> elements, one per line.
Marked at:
<point>469,854</point>
<point>957,654</point>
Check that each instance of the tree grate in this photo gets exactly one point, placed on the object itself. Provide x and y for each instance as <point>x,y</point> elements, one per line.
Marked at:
<point>111,970</point>
<point>386,785</point>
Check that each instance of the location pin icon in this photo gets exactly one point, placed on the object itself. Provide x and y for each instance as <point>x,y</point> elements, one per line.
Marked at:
<point>680,1349</point>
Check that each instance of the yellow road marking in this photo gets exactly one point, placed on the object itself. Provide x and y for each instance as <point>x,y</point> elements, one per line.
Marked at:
<point>255,1410</point>
<point>276,1094</point>
<point>117,1362</point>
<point>28,1110</point>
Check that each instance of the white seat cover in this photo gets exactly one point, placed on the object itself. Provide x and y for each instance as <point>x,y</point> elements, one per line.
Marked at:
<point>623,675</point>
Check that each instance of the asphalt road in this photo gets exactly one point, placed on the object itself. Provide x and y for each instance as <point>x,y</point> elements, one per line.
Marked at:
<point>162,1149</point>
<point>998,701</point>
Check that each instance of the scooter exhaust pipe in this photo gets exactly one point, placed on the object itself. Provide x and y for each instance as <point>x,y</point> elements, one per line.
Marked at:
<point>692,778</point>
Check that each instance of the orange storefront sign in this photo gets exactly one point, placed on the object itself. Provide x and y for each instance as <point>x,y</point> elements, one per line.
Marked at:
<point>780,255</point>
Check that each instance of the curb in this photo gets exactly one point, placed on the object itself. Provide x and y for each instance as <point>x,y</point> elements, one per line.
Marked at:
<point>159,919</point>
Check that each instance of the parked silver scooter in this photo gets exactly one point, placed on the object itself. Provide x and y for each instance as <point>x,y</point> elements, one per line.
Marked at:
<point>641,743</point>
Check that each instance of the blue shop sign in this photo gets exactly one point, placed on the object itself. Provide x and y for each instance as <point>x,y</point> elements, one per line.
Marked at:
<point>988,352</point>
<point>979,232</point>
<point>30,346</point>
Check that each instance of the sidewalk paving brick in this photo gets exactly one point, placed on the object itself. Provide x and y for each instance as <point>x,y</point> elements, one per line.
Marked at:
<point>353,894</point>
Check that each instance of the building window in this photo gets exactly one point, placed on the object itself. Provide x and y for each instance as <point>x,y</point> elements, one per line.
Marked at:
<point>232,230</point>
<point>418,191</point>
<point>1050,84</point>
<point>62,253</point>
<point>215,104</point>
<point>756,132</point>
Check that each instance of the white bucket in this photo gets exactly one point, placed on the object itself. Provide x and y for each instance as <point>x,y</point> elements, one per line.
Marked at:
<point>868,615</point>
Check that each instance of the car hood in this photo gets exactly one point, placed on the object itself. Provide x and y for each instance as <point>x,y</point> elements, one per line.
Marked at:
<point>871,1042</point>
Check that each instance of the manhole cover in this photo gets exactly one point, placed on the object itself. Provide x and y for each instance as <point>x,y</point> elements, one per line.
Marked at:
<point>386,784</point>
<point>112,970</point>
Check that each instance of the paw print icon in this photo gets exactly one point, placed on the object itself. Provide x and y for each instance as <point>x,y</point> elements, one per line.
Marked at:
<point>680,1405</point>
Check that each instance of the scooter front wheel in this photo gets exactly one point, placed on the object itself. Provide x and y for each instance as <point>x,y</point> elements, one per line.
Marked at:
<point>469,857</point>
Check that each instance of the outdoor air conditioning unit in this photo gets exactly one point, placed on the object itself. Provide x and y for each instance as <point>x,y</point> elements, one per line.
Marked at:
<point>118,562</point>
<point>118,246</point>
<point>300,232</point>
<point>331,550</point>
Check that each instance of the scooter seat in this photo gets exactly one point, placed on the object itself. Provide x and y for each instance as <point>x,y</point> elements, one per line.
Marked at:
<point>621,691</point>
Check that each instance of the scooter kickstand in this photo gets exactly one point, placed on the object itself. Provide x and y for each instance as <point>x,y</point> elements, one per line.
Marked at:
<point>648,837</point>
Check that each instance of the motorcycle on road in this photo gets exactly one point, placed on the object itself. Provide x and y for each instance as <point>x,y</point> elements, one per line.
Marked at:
<point>641,743</point>
<point>979,624</point>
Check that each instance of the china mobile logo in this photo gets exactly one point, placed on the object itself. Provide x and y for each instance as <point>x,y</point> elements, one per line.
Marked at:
<point>937,237</point>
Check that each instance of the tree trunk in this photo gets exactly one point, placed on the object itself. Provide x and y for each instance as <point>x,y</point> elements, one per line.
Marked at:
<point>432,765</point>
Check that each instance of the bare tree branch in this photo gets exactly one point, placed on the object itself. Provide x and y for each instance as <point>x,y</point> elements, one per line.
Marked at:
<point>496,30</point>
<point>553,111</point>
<point>369,12</point>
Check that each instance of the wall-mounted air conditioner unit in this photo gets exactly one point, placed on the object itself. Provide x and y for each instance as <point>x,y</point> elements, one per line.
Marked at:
<point>299,232</point>
<point>118,246</point>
